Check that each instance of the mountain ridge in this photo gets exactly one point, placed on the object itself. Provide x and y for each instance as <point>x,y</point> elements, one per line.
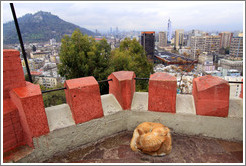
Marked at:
<point>40,27</point>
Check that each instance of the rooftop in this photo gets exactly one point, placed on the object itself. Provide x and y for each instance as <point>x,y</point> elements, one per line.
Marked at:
<point>171,58</point>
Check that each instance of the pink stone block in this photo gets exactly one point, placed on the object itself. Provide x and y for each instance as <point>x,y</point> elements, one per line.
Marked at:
<point>83,97</point>
<point>123,87</point>
<point>162,93</point>
<point>29,102</point>
<point>211,96</point>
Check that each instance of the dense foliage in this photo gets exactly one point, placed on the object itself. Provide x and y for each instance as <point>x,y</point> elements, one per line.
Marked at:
<point>82,56</point>
<point>39,27</point>
<point>131,56</point>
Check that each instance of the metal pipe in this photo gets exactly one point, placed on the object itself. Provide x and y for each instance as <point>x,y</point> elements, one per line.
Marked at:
<point>52,90</point>
<point>136,78</point>
<point>21,42</point>
<point>105,80</point>
<point>235,82</point>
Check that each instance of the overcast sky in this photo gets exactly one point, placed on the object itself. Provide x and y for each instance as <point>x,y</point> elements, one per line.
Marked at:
<point>207,15</point>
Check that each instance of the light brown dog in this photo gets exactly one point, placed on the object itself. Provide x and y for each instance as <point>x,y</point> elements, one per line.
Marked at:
<point>152,138</point>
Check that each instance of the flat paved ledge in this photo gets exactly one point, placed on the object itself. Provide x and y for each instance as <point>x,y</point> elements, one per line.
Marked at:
<point>59,116</point>
<point>140,101</point>
<point>235,107</point>
<point>185,104</point>
<point>185,149</point>
<point>110,104</point>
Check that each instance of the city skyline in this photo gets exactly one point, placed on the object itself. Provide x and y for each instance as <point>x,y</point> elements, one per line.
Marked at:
<point>140,16</point>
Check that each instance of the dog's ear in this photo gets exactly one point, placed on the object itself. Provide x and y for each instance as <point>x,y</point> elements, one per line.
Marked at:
<point>140,132</point>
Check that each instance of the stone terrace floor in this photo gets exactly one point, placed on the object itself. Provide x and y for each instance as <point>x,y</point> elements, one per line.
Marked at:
<point>186,149</point>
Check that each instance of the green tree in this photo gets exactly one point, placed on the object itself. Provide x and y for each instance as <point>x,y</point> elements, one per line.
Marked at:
<point>132,57</point>
<point>53,98</point>
<point>82,56</point>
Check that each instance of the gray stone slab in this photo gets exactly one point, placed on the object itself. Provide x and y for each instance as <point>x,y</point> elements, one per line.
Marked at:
<point>140,101</point>
<point>235,107</point>
<point>110,104</point>
<point>59,116</point>
<point>185,104</point>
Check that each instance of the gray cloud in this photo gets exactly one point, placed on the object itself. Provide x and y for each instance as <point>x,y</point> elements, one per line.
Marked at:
<point>127,15</point>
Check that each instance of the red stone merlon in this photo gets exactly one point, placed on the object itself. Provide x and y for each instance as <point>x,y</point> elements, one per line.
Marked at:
<point>211,96</point>
<point>162,93</point>
<point>13,75</point>
<point>241,94</point>
<point>12,129</point>
<point>23,113</point>
<point>122,87</point>
<point>83,97</point>
<point>29,102</point>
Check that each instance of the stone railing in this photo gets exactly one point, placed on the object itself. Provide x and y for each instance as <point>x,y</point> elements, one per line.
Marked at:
<point>86,114</point>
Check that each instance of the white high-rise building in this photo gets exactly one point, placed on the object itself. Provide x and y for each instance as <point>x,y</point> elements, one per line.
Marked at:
<point>169,30</point>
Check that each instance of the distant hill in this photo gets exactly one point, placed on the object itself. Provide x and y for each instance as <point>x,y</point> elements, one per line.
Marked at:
<point>40,27</point>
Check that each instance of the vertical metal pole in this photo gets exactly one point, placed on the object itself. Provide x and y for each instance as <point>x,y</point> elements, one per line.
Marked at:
<point>21,42</point>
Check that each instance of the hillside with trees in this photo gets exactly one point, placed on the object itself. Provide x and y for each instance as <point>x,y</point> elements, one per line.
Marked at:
<point>40,27</point>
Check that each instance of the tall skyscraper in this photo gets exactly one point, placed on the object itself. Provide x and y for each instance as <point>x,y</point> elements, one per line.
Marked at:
<point>169,31</point>
<point>179,38</point>
<point>162,39</point>
<point>148,43</point>
<point>225,39</point>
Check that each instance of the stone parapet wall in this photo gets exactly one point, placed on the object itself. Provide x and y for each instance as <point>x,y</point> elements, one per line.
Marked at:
<point>66,135</point>
<point>90,116</point>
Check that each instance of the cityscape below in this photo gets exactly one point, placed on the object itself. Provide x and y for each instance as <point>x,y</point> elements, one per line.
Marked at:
<point>196,52</point>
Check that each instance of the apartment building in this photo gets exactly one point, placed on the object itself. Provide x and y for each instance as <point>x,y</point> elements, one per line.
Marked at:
<point>162,39</point>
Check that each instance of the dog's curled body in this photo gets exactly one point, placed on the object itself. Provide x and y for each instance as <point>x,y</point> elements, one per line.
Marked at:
<point>152,138</point>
